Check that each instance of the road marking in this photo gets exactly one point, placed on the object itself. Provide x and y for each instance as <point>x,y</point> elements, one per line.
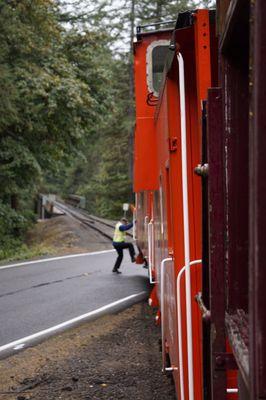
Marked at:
<point>19,346</point>
<point>55,258</point>
<point>22,342</point>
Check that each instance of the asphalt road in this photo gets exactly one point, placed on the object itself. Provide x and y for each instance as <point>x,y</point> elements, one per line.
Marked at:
<point>35,297</point>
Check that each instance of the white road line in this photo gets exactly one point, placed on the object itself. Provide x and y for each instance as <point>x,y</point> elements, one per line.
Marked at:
<point>20,343</point>
<point>55,258</point>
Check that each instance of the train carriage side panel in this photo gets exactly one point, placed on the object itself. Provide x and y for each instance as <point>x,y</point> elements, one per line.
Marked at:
<point>197,81</point>
<point>145,153</point>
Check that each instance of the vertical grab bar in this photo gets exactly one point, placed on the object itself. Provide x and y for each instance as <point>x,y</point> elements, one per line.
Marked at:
<point>150,249</point>
<point>186,222</point>
<point>164,261</point>
<point>134,226</point>
<point>179,327</point>
<point>146,221</point>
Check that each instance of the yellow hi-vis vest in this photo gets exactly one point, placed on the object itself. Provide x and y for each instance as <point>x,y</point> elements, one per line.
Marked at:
<point>119,236</point>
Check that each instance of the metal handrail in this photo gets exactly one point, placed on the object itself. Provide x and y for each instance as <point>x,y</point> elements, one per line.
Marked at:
<point>140,27</point>
<point>163,262</point>
<point>134,226</point>
<point>179,327</point>
<point>151,250</point>
<point>181,74</point>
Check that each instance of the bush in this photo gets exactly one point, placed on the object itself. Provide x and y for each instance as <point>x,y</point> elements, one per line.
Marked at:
<point>11,222</point>
<point>10,246</point>
<point>13,225</point>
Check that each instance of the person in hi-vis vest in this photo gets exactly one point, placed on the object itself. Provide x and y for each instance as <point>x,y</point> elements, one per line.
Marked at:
<point>119,243</point>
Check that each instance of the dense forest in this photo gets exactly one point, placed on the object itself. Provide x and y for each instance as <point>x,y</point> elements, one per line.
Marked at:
<point>67,103</point>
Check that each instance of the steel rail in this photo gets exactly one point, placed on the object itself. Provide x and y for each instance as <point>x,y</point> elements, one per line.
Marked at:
<point>96,219</point>
<point>84,221</point>
<point>83,212</point>
<point>92,217</point>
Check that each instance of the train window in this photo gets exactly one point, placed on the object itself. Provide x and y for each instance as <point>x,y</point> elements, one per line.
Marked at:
<point>156,53</point>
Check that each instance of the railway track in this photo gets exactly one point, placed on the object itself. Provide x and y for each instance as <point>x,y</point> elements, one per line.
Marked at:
<point>105,228</point>
<point>94,223</point>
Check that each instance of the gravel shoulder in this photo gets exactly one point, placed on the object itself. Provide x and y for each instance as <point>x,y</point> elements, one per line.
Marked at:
<point>115,357</point>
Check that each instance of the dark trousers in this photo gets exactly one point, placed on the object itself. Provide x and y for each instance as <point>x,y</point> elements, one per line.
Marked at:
<point>119,248</point>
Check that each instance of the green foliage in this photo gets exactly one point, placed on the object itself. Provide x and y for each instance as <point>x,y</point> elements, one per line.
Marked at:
<point>19,166</point>
<point>103,176</point>
<point>13,226</point>
<point>15,249</point>
<point>54,97</point>
<point>161,10</point>
<point>11,222</point>
<point>50,105</point>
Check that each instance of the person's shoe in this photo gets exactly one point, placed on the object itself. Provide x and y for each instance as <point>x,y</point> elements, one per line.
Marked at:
<point>117,271</point>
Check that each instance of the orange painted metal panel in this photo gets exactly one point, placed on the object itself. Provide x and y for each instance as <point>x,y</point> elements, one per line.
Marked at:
<point>191,42</point>
<point>145,177</point>
<point>194,198</point>
<point>145,163</point>
<point>158,175</point>
<point>203,50</point>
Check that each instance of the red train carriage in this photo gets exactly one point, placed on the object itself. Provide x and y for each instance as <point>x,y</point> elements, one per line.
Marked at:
<point>168,194</point>
<point>204,238</point>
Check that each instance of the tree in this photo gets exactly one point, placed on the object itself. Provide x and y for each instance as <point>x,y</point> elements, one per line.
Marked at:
<point>54,97</point>
<point>52,104</point>
<point>161,10</point>
<point>105,177</point>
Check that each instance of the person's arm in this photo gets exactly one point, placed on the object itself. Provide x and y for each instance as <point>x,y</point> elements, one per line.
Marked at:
<point>132,208</point>
<point>123,228</point>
